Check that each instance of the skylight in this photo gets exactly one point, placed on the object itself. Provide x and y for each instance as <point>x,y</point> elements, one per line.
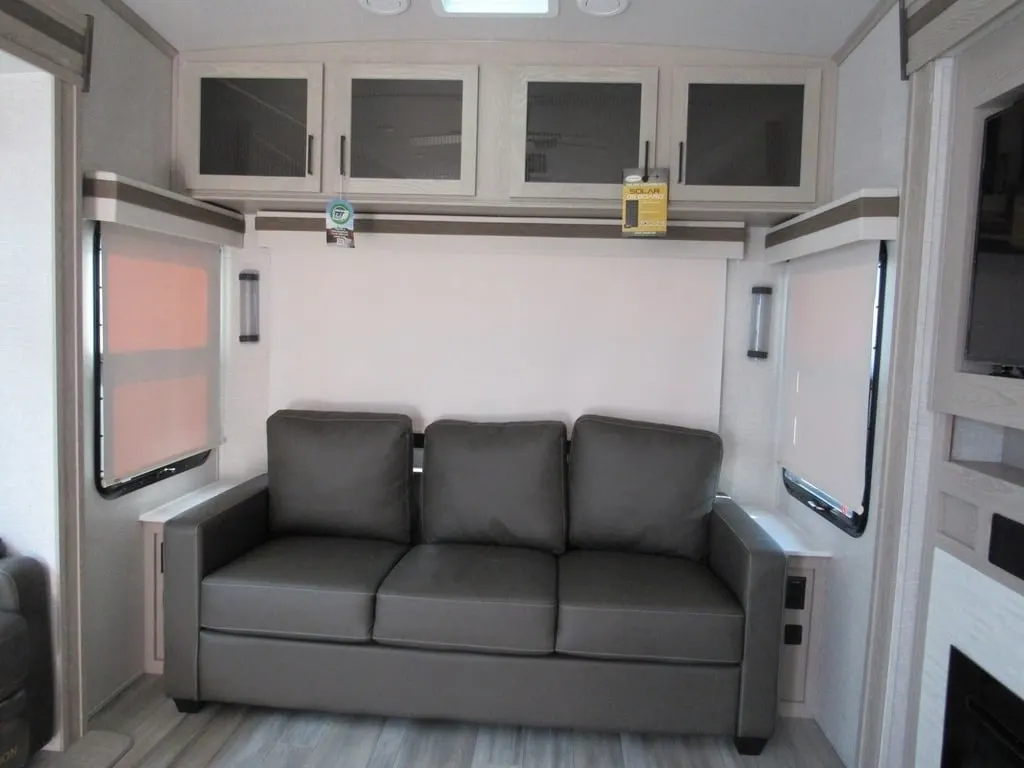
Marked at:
<point>496,7</point>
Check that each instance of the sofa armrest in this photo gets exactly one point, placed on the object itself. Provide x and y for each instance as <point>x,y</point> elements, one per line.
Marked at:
<point>197,543</point>
<point>25,590</point>
<point>754,567</point>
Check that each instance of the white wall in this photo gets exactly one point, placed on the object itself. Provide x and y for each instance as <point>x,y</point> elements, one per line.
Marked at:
<point>872,113</point>
<point>28,333</point>
<point>873,104</point>
<point>750,387</point>
<point>497,327</point>
<point>749,390</point>
<point>126,116</point>
<point>125,128</point>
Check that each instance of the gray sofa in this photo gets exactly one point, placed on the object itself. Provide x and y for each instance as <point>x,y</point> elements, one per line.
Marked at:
<point>599,586</point>
<point>26,661</point>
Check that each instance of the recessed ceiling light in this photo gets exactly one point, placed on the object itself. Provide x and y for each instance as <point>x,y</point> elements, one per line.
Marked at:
<point>520,8</point>
<point>603,7</point>
<point>386,7</point>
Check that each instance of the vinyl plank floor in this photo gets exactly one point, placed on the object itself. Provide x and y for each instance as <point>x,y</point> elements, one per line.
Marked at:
<point>242,737</point>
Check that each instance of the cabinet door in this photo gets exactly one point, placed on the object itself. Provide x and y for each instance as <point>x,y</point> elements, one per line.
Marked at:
<point>574,130</point>
<point>252,127</point>
<point>404,129</point>
<point>746,135</point>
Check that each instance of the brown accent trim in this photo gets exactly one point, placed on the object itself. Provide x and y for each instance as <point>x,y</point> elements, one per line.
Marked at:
<point>861,208</point>
<point>927,15</point>
<point>495,229</point>
<point>126,193</point>
<point>45,24</point>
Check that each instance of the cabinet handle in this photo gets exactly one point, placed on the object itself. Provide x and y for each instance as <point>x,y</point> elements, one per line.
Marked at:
<point>309,159</point>
<point>682,160</point>
<point>342,155</point>
<point>161,557</point>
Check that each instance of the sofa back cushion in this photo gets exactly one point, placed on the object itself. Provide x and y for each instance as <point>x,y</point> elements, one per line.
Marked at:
<point>340,474</point>
<point>641,487</point>
<point>495,484</point>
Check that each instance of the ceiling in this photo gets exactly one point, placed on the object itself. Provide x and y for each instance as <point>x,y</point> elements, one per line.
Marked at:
<point>811,27</point>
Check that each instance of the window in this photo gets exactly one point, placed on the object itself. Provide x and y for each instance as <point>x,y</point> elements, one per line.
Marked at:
<point>157,342</point>
<point>834,327</point>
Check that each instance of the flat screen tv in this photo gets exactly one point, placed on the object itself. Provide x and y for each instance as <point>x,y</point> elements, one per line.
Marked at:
<point>995,333</point>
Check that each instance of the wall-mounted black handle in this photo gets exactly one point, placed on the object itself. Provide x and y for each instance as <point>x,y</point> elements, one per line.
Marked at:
<point>682,160</point>
<point>342,155</point>
<point>309,156</point>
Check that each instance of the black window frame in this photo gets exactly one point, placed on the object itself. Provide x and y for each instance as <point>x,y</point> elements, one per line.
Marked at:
<point>146,479</point>
<point>816,499</point>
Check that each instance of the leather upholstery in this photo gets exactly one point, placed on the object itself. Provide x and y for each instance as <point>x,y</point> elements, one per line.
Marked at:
<point>471,598</point>
<point>620,605</point>
<point>14,654</point>
<point>495,484</point>
<point>541,691</point>
<point>340,474</point>
<point>640,487</point>
<point>319,588</point>
<point>754,567</point>
<point>196,544</point>
<point>25,593</point>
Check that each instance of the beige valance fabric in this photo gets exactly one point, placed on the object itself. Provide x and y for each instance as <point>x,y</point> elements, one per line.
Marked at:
<point>50,35</point>
<point>932,28</point>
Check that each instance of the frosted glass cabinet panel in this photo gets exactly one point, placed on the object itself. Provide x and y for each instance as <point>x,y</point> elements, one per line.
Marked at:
<point>406,130</point>
<point>253,127</point>
<point>746,135</point>
<point>574,130</point>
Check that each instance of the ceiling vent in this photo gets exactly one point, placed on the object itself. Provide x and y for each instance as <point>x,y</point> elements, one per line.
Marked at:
<point>386,7</point>
<point>603,8</point>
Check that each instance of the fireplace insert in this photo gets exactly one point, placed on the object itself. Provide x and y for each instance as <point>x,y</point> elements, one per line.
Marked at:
<point>984,719</point>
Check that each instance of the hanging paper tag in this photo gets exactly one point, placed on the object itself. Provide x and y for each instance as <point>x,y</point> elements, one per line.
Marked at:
<point>341,224</point>
<point>645,203</point>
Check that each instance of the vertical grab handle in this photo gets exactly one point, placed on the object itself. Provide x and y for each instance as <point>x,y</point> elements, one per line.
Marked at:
<point>342,156</point>
<point>682,160</point>
<point>309,155</point>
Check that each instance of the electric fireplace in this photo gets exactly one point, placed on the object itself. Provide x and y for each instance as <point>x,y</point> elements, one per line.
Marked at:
<point>984,719</point>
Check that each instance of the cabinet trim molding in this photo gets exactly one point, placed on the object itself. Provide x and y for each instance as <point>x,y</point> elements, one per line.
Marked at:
<point>714,232</point>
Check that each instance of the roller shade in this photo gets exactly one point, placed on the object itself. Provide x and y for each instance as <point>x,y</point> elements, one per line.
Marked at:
<point>830,332</point>
<point>50,35</point>
<point>932,28</point>
<point>159,350</point>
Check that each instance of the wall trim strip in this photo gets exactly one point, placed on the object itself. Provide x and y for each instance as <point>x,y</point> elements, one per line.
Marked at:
<point>484,227</point>
<point>143,27</point>
<point>111,187</point>
<point>866,204</point>
<point>865,28</point>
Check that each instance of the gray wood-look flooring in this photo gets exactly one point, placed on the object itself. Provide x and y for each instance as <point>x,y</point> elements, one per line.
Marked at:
<point>241,737</point>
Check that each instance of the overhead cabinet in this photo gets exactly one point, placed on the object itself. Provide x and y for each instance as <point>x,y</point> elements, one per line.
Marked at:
<point>574,129</point>
<point>374,131</point>
<point>403,129</point>
<point>252,127</point>
<point>746,135</point>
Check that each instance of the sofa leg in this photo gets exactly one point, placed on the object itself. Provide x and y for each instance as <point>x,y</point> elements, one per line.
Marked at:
<point>748,746</point>
<point>188,706</point>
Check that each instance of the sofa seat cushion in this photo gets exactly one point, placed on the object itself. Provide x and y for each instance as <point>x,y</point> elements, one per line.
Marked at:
<point>620,605</point>
<point>14,653</point>
<point>470,597</point>
<point>300,587</point>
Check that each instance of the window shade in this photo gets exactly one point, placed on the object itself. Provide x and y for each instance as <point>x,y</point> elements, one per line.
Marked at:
<point>160,350</point>
<point>830,333</point>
